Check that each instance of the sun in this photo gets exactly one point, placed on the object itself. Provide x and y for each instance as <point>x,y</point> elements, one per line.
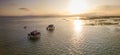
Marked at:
<point>77,7</point>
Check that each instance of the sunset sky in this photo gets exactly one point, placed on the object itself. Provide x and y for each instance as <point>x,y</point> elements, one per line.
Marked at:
<point>59,7</point>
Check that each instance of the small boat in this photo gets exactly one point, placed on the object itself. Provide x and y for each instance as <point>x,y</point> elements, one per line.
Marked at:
<point>34,35</point>
<point>25,27</point>
<point>50,27</point>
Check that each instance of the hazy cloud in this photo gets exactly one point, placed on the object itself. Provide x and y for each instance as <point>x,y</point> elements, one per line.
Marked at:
<point>0,11</point>
<point>107,10</point>
<point>25,9</point>
<point>109,7</point>
<point>13,4</point>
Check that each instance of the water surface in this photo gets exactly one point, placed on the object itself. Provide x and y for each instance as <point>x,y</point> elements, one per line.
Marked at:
<point>71,36</point>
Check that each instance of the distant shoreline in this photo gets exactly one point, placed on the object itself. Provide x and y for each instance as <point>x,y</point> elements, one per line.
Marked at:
<point>88,17</point>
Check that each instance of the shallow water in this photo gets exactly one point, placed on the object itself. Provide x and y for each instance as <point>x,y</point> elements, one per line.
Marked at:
<point>70,37</point>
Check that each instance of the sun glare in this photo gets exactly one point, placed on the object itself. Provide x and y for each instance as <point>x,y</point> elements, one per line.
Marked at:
<point>78,30</point>
<point>77,25</point>
<point>77,6</point>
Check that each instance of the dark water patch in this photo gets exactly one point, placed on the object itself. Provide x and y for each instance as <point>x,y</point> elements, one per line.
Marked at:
<point>116,19</point>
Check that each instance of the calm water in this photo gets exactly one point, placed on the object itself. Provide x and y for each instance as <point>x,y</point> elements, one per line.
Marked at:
<point>71,36</point>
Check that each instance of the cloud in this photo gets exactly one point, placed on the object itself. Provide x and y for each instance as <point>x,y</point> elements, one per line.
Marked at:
<point>107,10</point>
<point>3,10</point>
<point>13,4</point>
<point>25,9</point>
<point>0,11</point>
<point>109,7</point>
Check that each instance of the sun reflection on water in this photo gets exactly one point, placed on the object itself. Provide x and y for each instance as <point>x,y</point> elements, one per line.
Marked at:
<point>77,25</point>
<point>77,36</point>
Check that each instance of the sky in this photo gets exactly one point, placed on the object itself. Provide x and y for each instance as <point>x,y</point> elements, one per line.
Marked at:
<point>59,7</point>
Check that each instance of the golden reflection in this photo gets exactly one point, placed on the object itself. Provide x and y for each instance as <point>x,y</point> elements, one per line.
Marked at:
<point>77,32</point>
<point>77,37</point>
<point>77,25</point>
